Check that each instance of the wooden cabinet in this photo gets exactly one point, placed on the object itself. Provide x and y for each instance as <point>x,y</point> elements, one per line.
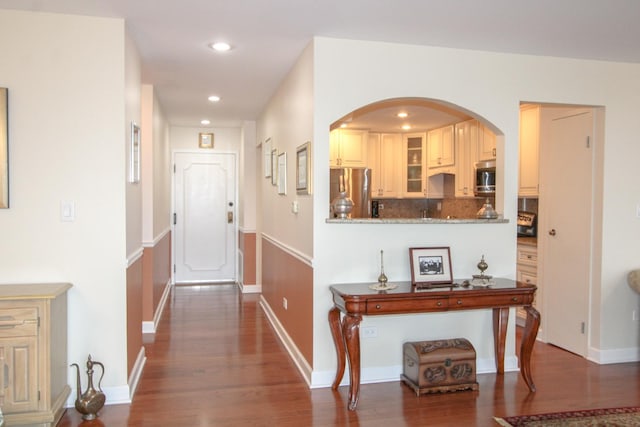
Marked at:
<point>529,145</point>
<point>486,144</point>
<point>385,161</point>
<point>441,148</point>
<point>414,176</point>
<point>348,148</point>
<point>527,272</point>
<point>466,138</point>
<point>33,353</point>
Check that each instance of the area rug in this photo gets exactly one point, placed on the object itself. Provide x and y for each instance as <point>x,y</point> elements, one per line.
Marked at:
<point>613,417</point>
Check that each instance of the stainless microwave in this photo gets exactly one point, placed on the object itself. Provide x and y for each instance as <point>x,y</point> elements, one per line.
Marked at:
<point>485,178</point>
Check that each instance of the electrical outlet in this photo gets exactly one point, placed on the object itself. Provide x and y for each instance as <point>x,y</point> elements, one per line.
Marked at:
<point>369,332</point>
<point>284,303</point>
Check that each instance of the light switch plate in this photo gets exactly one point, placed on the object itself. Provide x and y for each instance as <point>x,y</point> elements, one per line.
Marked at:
<point>67,211</point>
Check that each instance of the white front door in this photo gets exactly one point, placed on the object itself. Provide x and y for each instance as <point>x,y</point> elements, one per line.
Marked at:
<point>566,206</point>
<point>204,230</point>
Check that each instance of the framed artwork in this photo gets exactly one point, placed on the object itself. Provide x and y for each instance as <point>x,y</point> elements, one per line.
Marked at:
<point>266,154</point>
<point>303,167</point>
<point>274,166</point>
<point>430,266</point>
<point>282,173</point>
<point>134,154</point>
<point>205,140</point>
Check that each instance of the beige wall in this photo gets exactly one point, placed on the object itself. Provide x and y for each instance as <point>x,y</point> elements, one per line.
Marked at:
<point>67,124</point>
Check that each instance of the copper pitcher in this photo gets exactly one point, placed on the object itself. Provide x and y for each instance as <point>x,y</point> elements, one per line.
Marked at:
<point>89,402</point>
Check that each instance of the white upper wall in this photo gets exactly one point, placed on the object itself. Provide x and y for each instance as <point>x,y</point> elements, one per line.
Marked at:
<point>65,76</point>
<point>350,74</point>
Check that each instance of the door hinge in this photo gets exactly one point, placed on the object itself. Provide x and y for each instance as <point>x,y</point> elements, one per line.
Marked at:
<point>174,268</point>
<point>582,328</point>
<point>38,321</point>
<point>38,394</point>
<point>588,142</point>
<point>174,168</point>
<point>175,218</point>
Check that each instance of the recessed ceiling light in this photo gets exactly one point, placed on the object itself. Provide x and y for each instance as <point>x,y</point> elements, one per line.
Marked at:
<point>403,115</point>
<point>406,127</point>
<point>214,98</point>
<point>205,122</point>
<point>220,46</point>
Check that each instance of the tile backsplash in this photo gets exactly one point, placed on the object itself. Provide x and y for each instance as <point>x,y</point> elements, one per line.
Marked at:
<point>433,208</point>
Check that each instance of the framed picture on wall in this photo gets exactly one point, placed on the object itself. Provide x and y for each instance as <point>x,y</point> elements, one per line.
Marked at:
<point>274,166</point>
<point>282,173</point>
<point>303,166</point>
<point>134,154</point>
<point>205,140</point>
<point>266,154</point>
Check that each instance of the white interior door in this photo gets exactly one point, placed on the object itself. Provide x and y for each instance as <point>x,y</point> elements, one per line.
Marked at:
<point>566,206</point>
<point>205,218</point>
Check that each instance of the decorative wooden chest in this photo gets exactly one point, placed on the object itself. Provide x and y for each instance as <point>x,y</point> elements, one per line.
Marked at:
<point>439,366</point>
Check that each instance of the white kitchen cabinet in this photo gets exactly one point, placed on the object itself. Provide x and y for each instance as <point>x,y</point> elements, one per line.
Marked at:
<point>529,147</point>
<point>486,144</point>
<point>466,148</point>
<point>414,176</point>
<point>348,148</point>
<point>527,272</point>
<point>441,150</point>
<point>385,161</point>
<point>33,351</point>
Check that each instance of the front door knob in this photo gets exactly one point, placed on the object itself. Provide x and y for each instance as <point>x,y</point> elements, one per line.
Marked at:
<point>552,232</point>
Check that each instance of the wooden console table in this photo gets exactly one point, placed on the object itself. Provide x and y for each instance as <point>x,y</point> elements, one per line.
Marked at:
<point>356,299</point>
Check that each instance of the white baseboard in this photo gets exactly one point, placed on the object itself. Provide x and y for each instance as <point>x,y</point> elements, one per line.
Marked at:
<point>136,372</point>
<point>151,327</point>
<point>292,349</point>
<point>250,289</point>
<point>618,355</point>
<point>383,374</point>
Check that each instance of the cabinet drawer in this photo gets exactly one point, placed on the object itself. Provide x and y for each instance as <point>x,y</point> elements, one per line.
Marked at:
<point>407,306</point>
<point>18,322</point>
<point>527,277</point>
<point>527,255</point>
<point>489,301</point>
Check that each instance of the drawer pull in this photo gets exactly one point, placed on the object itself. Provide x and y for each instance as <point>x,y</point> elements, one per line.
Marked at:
<point>6,324</point>
<point>529,257</point>
<point>459,302</point>
<point>514,299</point>
<point>439,303</point>
<point>378,306</point>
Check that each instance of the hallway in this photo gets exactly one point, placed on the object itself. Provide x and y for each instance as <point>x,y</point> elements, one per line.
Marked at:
<point>216,361</point>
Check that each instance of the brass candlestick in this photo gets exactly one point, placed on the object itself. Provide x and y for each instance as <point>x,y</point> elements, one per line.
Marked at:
<point>382,278</point>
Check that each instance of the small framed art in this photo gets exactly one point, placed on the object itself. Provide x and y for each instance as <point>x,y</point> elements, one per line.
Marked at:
<point>282,173</point>
<point>303,163</point>
<point>266,151</point>
<point>205,140</point>
<point>274,166</point>
<point>430,266</point>
<point>134,154</point>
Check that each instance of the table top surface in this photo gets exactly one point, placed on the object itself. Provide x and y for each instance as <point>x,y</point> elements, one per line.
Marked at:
<point>405,289</point>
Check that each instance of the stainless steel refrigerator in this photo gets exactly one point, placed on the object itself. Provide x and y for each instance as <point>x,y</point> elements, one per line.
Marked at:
<point>356,182</point>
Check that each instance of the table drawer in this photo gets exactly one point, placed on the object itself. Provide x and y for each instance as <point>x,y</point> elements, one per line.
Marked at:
<point>18,322</point>
<point>489,301</point>
<point>407,306</point>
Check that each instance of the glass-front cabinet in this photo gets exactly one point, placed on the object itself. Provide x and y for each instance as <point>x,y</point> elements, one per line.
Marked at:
<point>415,165</point>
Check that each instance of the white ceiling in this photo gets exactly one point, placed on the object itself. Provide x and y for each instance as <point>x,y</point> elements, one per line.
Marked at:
<point>268,35</point>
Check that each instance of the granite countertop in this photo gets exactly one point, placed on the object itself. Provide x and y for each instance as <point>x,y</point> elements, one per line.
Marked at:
<point>415,221</point>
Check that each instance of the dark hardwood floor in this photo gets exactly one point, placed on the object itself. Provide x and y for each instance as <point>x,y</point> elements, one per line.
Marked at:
<point>216,361</point>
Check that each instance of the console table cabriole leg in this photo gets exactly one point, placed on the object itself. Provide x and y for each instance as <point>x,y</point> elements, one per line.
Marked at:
<point>338,341</point>
<point>500,320</point>
<point>351,333</point>
<point>526,348</point>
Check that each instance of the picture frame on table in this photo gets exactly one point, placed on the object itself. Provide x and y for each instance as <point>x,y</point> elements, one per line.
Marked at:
<point>430,266</point>
<point>134,154</point>
<point>303,168</point>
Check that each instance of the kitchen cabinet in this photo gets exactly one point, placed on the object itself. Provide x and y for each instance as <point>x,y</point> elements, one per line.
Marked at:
<point>529,147</point>
<point>33,351</point>
<point>414,170</point>
<point>527,272</point>
<point>466,150</point>
<point>441,146</point>
<point>486,144</point>
<point>348,148</point>
<point>385,162</point>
